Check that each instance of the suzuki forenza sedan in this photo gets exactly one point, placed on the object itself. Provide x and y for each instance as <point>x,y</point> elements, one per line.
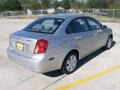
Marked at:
<point>58,42</point>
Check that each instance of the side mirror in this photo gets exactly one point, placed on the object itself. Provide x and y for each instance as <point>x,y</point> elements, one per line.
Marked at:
<point>104,27</point>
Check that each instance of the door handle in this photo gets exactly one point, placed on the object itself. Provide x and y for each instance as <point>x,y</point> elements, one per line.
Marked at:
<point>79,37</point>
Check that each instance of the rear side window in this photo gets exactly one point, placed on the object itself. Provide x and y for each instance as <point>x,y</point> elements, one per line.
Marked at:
<point>94,25</point>
<point>45,25</point>
<point>77,25</point>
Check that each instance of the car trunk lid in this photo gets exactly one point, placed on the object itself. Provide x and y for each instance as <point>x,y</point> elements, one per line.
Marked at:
<point>23,42</point>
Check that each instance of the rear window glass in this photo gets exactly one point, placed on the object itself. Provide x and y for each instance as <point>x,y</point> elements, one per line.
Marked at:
<point>44,25</point>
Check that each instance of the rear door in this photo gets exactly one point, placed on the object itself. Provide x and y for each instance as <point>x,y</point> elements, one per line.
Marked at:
<point>82,36</point>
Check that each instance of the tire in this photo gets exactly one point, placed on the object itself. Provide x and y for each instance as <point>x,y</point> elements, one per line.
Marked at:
<point>70,63</point>
<point>109,43</point>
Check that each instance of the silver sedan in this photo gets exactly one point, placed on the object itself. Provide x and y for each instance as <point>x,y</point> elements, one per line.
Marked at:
<point>58,42</point>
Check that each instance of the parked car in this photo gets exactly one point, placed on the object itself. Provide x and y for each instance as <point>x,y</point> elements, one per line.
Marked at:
<point>101,12</point>
<point>8,13</point>
<point>58,42</point>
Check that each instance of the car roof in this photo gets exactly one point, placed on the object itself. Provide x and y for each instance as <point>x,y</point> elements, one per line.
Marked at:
<point>65,15</point>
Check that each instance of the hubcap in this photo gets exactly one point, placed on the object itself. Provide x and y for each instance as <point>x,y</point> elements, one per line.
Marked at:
<point>110,43</point>
<point>71,63</point>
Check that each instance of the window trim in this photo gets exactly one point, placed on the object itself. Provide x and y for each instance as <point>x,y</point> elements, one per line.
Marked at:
<point>66,31</point>
<point>94,21</point>
<point>25,29</point>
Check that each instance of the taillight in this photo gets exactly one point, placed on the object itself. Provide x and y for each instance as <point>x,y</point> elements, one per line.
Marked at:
<point>41,46</point>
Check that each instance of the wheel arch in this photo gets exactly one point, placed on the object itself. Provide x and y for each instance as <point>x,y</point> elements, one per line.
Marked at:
<point>71,51</point>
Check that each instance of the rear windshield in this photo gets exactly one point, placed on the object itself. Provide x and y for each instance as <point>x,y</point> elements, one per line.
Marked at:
<point>45,25</point>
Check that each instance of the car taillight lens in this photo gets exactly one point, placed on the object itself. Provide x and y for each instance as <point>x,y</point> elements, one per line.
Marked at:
<point>41,46</point>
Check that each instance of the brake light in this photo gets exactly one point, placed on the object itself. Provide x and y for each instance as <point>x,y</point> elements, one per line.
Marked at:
<point>41,46</point>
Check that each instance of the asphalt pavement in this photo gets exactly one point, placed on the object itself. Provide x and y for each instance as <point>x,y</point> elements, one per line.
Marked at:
<point>98,71</point>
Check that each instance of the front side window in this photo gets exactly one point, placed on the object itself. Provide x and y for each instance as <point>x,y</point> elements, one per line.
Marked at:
<point>94,25</point>
<point>44,25</point>
<point>77,25</point>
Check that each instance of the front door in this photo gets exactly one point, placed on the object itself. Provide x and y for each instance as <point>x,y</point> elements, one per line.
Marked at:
<point>82,36</point>
<point>99,34</point>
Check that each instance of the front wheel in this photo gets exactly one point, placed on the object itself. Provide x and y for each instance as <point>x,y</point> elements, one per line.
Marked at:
<point>109,43</point>
<point>70,63</point>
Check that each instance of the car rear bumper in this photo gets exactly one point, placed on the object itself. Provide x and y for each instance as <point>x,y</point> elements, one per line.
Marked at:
<point>35,64</point>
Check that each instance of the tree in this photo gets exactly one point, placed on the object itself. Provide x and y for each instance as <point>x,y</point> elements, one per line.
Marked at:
<point>23,4</point>
<point>30,4</point>
<point>81,5</point>
<point>55,4</point>
<point>60,4</point>
<point>66,4</point>
<point>11,5</point>
<point>33,4</point>
<point>77,4</point>
<point>114,6</point>
<point>97,4</point>
<point>46,4</point>
<point>1,7</point>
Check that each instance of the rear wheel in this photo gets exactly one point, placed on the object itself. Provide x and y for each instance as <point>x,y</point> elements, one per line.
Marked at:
<point>109,43</point>
<point>70,63</point>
